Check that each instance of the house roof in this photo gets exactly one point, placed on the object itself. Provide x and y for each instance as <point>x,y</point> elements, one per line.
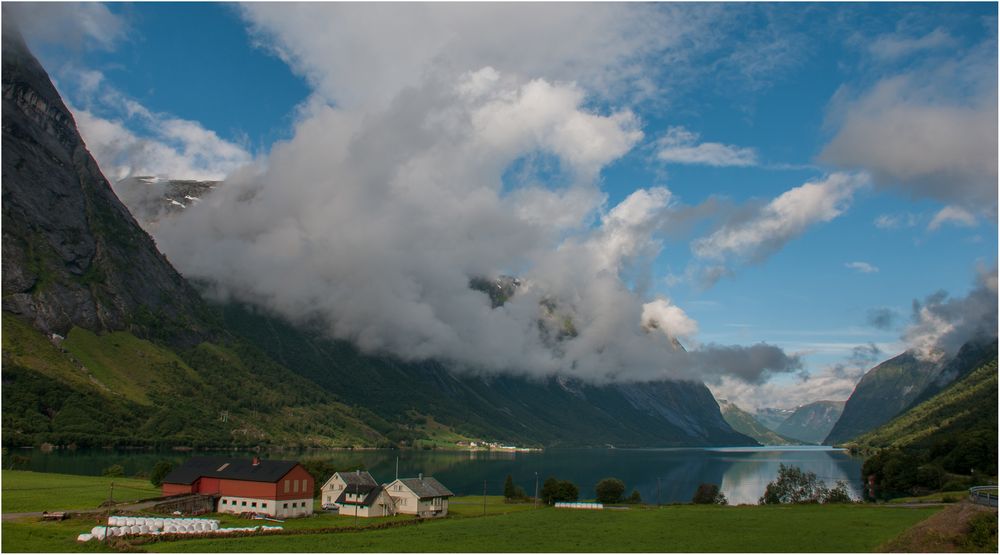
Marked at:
<point>368,501</point>
<point>232,469</point>
<point>357,482</point>
<point>426,487</point>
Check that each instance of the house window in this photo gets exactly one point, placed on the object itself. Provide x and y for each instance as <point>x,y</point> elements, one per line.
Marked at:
<point>327,498</point>
<point>285,506</point>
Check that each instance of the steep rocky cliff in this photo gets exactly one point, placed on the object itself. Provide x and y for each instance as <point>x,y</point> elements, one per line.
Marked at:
<point>72,253</point>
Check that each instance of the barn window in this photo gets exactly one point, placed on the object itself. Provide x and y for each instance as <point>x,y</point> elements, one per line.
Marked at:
<point>295,486</point>
<point>223,501</point>
<point>223,467</point>
<point>244,504</point>
<point>254,504</point>
<point>287,486</point>
<point>304,488</point>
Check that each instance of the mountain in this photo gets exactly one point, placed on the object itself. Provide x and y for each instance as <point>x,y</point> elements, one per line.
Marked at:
<point>553,411</point>
<point>772,417</point>
<point>72,253</point>
<point>151,198</point>
<point>883,392</point>
<point>900,383</point>
<point>966,406</point>
<point>104,343</point>
<point>745,423</point>
<point>812,423</point>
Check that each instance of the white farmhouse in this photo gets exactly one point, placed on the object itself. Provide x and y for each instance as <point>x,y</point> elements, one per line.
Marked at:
<point>421,496</point>
<point>356,493</point>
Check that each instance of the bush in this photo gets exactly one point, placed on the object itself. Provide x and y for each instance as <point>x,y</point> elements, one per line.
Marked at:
<point>839,494</point>
<point>609,490</point>
<point>159,472</point>
<point>708,494</point>
<point>635,498</point>
<point>982,534</point>
<point>559,490</point>
<point>114,471</point>
<point>794,486</point>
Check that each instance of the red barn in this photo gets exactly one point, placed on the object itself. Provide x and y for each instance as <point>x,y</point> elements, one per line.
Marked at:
<point>276,488</point>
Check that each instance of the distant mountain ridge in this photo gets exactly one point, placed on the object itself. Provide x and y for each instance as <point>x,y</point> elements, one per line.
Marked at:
<point>811,423</point>
<point>745,423</point>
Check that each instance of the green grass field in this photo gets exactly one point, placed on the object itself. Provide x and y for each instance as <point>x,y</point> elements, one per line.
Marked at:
<point>25,491</point>
<point>685,528</point>
<point>506,528</point>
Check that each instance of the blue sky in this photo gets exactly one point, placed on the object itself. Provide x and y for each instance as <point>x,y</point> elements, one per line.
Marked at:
<point>738,105</point>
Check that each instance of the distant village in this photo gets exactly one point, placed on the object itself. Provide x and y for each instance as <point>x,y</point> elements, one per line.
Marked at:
<point>493,446</point>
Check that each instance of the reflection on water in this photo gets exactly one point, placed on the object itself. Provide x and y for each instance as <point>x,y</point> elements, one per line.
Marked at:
<point>660,475</point>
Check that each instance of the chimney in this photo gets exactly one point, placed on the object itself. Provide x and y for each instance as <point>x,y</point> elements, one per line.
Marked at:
<point>421,476</point>
<point>256,460</point>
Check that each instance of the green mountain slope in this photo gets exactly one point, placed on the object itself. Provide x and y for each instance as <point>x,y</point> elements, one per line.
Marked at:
<point>812,423</point>
<point>117,389</point>
<point>968,406</point>
<point>745,423</point>
<point>551,411</point>
<point>885,391</point>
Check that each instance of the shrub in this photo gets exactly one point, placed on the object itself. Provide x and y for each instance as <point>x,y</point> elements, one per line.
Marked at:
<point>160,471</point>
<point>114,471</point>
<point>609,490</point>
<point>982,534</point>
<point>839,494</point>
<point>635,498</point>
<point>708,494</point>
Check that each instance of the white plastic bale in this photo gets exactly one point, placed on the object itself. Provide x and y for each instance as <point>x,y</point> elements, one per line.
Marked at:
<point>171,529</point>
<point>84,537</point>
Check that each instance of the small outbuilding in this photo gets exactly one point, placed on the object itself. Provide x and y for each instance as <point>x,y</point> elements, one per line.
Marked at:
<point>280,489</point>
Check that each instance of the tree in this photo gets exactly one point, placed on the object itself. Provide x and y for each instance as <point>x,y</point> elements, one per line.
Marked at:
<point>709,494</point>
<point>509,490</point>
<point>609,490</point>
<point>635,498</point>
<point>558,490</point>
<point>838,494</point>
<point>159,472</point>
<point>794,486</point>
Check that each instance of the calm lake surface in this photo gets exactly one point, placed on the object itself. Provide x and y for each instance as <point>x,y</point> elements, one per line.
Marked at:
<point>670,475</point>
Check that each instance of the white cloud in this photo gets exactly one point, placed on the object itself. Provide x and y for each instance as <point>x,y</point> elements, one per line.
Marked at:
<point>754,237</point>
<point>941,325</point>
<point>897,45</point>
<point>669,319</point>
<point>952,215</point>
<point>681,146</point>
<point>896,221</point>
<point>127,139</point>
<point>72,24</point>
<point>365,54</point>
<point>863,267</point>
<point>929,133</point>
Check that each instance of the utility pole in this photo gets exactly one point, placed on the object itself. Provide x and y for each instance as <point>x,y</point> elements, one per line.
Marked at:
<point>484,497</point>
<point>111,502</point>
<point>397,467</point>
<point>358,476</point>
<point>536,490</point>
<point>657,491</point>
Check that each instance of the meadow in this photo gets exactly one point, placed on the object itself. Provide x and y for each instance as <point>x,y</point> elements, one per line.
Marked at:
<point>504,527</point>
<point>25,491</point>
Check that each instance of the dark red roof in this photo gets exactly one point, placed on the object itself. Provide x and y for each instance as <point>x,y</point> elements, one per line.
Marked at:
<point>231,469</point>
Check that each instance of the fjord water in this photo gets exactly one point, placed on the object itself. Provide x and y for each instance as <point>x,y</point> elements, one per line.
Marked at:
<point>667,475</point>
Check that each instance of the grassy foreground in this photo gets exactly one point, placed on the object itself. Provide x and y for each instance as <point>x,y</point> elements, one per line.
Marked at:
<point>505,528</point>
<point>684,528</point>
<point>25,491</point>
